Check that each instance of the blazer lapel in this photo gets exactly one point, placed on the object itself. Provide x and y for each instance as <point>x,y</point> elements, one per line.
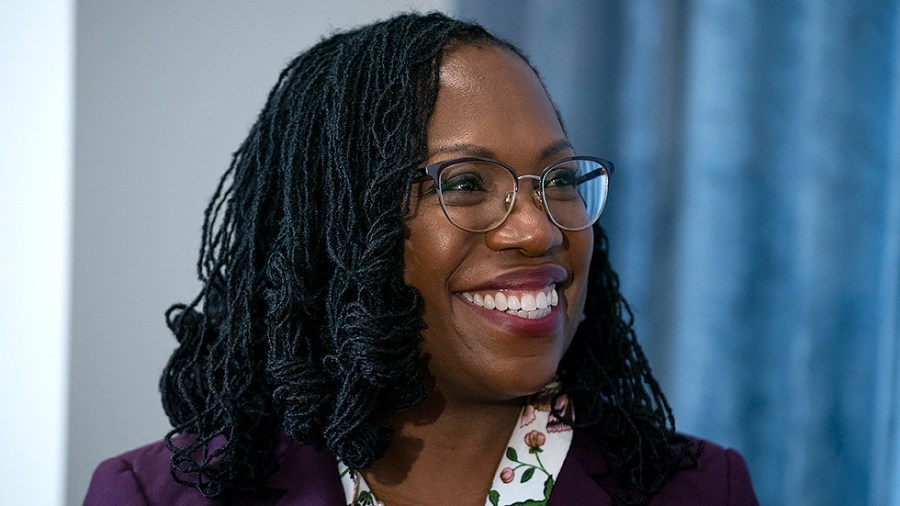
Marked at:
<point>579,480</point>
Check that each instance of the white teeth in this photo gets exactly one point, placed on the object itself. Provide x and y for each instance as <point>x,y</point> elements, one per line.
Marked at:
<point>526,305</point>
<point>530,315</point>
<point>541,300</point>
<point>500,301</point>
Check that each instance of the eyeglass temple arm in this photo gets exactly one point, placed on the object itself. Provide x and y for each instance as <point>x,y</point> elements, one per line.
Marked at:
<point>593,174</point>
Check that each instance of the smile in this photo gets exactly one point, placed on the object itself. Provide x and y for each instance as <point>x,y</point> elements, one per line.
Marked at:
<point>528,305</point>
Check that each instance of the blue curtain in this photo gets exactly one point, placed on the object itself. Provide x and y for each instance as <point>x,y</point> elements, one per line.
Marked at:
<point>754,216</point>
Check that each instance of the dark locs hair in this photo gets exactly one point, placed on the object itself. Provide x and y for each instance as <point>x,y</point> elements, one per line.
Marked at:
<point>607,375</point>
<point>304,322</point>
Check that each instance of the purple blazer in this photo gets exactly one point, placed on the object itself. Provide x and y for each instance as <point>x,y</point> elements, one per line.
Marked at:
<point>308,476</point>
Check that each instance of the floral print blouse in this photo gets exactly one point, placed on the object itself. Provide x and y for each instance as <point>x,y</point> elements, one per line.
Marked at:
<point>526,474</point>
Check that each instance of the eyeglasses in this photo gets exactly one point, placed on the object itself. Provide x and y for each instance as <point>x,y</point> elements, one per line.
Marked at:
<point>478,194</point>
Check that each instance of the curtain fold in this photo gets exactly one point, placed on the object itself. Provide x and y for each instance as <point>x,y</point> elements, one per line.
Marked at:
<point>754,217</point>
<point>886,423</point>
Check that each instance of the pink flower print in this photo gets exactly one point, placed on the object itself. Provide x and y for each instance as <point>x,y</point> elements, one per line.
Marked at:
<point>507,475</point>
<point>539,401</point>
<point>528,415</point>
<point>535,439</point>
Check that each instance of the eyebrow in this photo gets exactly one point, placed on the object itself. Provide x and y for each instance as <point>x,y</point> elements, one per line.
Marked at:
<point>483,152</point>
<point>556,147</point>
<point>463,148</point>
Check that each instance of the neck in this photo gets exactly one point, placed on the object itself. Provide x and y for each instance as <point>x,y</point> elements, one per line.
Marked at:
<point>460,442</point>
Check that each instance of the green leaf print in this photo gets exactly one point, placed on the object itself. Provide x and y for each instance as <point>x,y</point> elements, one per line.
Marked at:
<point>494,497</point>
<point>527,475</point>
<point>548,486</point>
<point>365,499</point>
<point>511,454</point>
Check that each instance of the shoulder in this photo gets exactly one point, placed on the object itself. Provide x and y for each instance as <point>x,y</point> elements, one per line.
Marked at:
<point>143,477</point>
<point>721,477</point>
<point>138,477</point>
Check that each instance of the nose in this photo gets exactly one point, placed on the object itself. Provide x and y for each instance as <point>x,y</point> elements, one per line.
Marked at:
<point>528,227</point>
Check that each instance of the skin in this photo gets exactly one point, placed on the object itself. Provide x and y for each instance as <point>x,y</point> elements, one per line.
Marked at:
<point>490,104</point>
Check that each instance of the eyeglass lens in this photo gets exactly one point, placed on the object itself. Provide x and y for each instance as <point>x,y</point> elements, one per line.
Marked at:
<point>478,195</point>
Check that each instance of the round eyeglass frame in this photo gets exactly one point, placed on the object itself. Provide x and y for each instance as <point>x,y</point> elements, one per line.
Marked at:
<point>434,172</point>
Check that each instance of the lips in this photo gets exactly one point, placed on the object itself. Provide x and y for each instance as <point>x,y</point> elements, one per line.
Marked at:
<point>524,304</point>
<point>529,293</point>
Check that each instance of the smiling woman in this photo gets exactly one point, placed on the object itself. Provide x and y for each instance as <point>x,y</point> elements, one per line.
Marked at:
<point>407,300</point>
<point>491,103</point>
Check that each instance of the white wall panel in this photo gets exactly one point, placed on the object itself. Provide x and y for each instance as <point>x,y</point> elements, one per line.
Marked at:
<point>36,86</point>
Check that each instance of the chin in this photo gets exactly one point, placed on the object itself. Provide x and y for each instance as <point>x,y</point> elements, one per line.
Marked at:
<point>529,380</point>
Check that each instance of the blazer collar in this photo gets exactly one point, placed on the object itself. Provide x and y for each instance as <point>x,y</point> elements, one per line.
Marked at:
<point>583,475</point>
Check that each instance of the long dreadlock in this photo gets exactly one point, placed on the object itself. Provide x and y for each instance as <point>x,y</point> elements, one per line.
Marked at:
<point>304,322</point>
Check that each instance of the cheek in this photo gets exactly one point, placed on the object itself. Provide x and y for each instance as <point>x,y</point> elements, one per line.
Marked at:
<point>581,251</point>
<point>426,256</point>
<point>433,251</point>
<point>417,249</point>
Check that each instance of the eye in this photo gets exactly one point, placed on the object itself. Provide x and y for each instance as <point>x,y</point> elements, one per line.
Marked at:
<point>462,182</point>
<point>560,178</point>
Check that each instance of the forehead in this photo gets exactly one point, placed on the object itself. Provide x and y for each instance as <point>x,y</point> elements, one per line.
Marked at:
<point>490,98</point>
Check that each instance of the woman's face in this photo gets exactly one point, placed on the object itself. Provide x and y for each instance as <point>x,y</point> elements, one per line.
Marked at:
<point>490,104</point>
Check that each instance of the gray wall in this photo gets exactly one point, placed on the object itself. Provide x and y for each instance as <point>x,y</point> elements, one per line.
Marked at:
<point>165,91</point>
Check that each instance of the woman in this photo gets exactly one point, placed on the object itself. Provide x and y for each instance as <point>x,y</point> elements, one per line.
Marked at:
<point>407,299</point>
